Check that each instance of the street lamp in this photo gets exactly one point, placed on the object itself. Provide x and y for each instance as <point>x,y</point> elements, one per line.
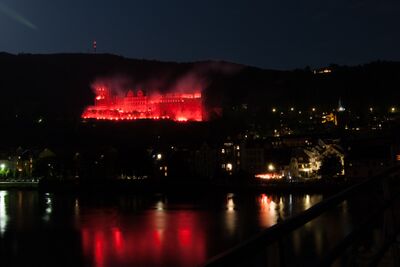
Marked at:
<point>271,167</point>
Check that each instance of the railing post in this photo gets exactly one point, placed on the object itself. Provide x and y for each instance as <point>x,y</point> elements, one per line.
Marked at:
<point>389,220</point>
<point>280,244</point>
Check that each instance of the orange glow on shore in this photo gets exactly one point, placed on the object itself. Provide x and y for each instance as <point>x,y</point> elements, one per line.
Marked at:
<point>181,119</point>
<point>269,175</point>
<point>180,107</point>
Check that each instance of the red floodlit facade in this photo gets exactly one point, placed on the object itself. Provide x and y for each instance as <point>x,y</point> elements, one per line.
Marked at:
<point>137,105</point>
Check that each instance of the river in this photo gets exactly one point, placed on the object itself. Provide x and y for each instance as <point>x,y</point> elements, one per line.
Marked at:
<point>108,229</point>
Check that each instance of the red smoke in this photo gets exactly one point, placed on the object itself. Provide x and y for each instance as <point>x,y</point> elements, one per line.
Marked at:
<point>173,96</point>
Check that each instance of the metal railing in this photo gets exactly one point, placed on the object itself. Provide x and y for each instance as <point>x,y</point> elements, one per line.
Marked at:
<point>368,241</point>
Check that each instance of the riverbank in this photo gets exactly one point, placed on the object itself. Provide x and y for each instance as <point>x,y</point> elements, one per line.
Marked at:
<point>19,185</point>
<point>179,186</point>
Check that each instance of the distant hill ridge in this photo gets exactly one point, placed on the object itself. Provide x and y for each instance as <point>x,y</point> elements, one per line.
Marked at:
<point>58,85</point>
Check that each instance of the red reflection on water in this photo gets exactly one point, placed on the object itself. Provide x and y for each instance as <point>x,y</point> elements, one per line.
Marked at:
<point>184,237</point>
<point>85,241</point>
<point>265,201</point>
<point>117,240</point>
<point>157,238</point>
<point>162,238</point>
<point>99,248</point>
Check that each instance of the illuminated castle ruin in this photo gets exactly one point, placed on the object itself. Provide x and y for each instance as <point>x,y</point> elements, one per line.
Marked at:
<point>138,105</point>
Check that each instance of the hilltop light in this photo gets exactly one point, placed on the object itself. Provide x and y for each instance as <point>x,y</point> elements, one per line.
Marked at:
<point>393,109</point>
<point>274,110</point>
<point>292,109</point>
<point>313,109</point>
<point>371,109</point>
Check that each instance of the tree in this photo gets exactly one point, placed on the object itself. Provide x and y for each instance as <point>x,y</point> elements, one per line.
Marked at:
<point>331,166</point>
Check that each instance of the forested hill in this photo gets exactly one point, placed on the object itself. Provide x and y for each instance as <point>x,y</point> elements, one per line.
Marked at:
<point>59,85</point>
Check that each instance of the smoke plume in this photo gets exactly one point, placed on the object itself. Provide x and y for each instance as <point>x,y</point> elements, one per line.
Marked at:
<point>194,79</point>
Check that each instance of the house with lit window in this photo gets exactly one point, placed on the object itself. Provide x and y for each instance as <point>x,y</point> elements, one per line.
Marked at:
<point>309,158</point>
<point>230,157</point>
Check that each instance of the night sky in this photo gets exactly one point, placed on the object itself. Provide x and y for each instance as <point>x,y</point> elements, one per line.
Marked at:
<point>279,34</point>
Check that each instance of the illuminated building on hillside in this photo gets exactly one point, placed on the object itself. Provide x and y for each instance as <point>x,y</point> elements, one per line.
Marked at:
<point>133,106</point>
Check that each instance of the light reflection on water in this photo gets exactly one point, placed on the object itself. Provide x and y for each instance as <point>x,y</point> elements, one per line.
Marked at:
<point>230,215</point>
<point>152,230</point>
<point>49,207</point>
<point>3,212</point>
<point>268,213</point>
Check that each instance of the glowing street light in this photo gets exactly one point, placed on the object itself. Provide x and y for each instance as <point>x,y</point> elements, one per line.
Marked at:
<point>159,156</point>
<point>2,166</point>
<point>273,110</point>
<point>229,167</point>
<point>271,167</point>
<point>313,109</point>
<point>393,109</point>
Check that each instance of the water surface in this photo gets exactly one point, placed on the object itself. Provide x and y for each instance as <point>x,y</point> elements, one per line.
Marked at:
<point>59,229</point>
